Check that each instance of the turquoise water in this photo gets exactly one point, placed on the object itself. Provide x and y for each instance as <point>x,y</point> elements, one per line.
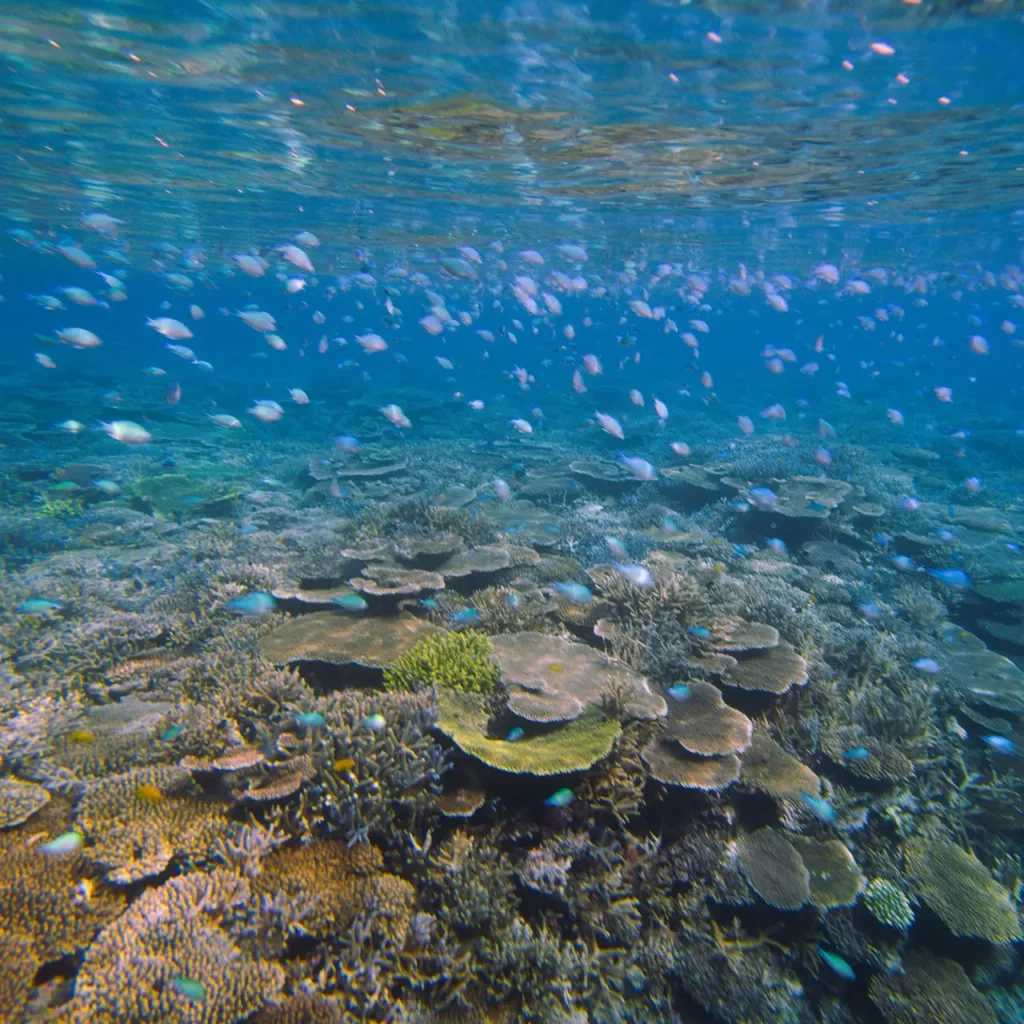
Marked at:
<point>511,511</point>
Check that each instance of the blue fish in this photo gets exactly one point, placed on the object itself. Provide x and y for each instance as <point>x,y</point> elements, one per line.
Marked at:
<point>775,545</point>
<point>560,798</point>
<point>815,506</point>
<point>466,617</point>
<point>429,603</point>
<point>310,719</point>
<point>929,665</point>
<point>515,734</point>
<point>574,593</point>
<point>857,754</point>
<point>351,603</point>
<point>38,606</point>
<point>701,632</point>
<point>902,562</point>
<point>1001,744</point>
<point>192,990</point>
<point>170,734</point>
<point>956,579</point>
<point>680,691</point>
<point>837,964</point>
<point>763,497</point>
<point>741,550</point>
<point>881,538</point>
<point>870,610</point>
<point>820,808</point>
<point>258,603</point>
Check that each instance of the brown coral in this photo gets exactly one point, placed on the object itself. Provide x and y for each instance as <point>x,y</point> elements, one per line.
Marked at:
<point>704,724</point>
<point>775,670</point>
<point>340,639</point>
<point>774,869</point>
<point>959,888</point>
<point>931,988</point>
<point>19,801</point>
<point>336,884</point>
<point>550,679</point>
<point>140,820</point>
<point>136,969</point>
<point>771,769</point>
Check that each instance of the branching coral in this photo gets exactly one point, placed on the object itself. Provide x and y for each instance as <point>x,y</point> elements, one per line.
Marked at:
<point>453,661</point>
<point>169,959</point>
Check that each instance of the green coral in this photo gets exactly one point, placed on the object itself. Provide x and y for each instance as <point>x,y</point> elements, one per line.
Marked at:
<point>888,905</point>
<point>569,748</point>
<point>59,508</point>
<point>450,661</point>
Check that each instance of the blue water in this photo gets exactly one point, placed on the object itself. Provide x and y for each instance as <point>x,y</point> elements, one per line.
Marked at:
<point>705,313</point>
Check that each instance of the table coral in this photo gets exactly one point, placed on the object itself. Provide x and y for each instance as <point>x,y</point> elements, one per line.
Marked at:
<point>960,889</point>
<point>931,988</point>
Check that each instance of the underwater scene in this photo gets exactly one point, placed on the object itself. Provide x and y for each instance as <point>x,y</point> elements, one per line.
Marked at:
<point>512,511</point>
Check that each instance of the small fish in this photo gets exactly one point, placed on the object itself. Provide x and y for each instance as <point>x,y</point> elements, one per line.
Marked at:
<point>149,794</point>
<point>71,426</point>
<point>857,754</point>
<point>465,617</point>
<point>192,990</point>
<point>640,468</point>
<point>347,444</point>
<point>610,425</point>
<point>38,606</point>
<point>513,600</point>
<point>170,328</point>
<point>775,545</point>
<point>223,419</point>
<point>127,432</point>
<point>638,575</point>
<point>429,603</point>
<point>344,764</point>
<point>373,723</point>
<point>680,691</point>
<point>298,396</point>
<point>617,548</point>
<point>310,719</point>
<point>257,603</point>
<point>763,498</point>
<point>701,632</point>
<point>837,964</point>
<point>574,593</point>
<point>560,798</point>
<point>393,414</point>
<point>904,563</point>
<point>909,504</point>
<point>67,842</point>
<point>82,736</point>
<point>514,735</point>
<point>928,665</point>
<point>820,808</point>
<point>523,426</point>
<point>79,337</point>
<point>351,603</point>
<point>956,579</point>
<point>170,734</point>
<point>1000,744</point>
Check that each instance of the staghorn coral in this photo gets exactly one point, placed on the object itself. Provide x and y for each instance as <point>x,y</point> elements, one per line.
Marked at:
<point>369,783</point>
<point>471,887</point>
<point>456,661</point>
<point>139,821</point>
<point>958,887</point>
<point>173,933</point>
<point>931,988</point>
<point>18,965</point>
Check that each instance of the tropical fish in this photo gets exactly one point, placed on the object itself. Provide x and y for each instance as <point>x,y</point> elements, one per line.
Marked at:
<point>837,964</point>
<point>190,989</point>
<point>38,606</point>
<point>679,691</point>
<point>1000,744</point>
<point>310,719</point>
<point>560,798</point>
<point>956,579</point>
<point>351,603</point>
<point>373,723</point>
<point>465,617</point>
<point>515,734</point>
<point>65,843</point>
<point>929,665</point>
<point>127,432</point>
<point>257,603</point>
<point>821,809</point>
<point>574,593</point>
